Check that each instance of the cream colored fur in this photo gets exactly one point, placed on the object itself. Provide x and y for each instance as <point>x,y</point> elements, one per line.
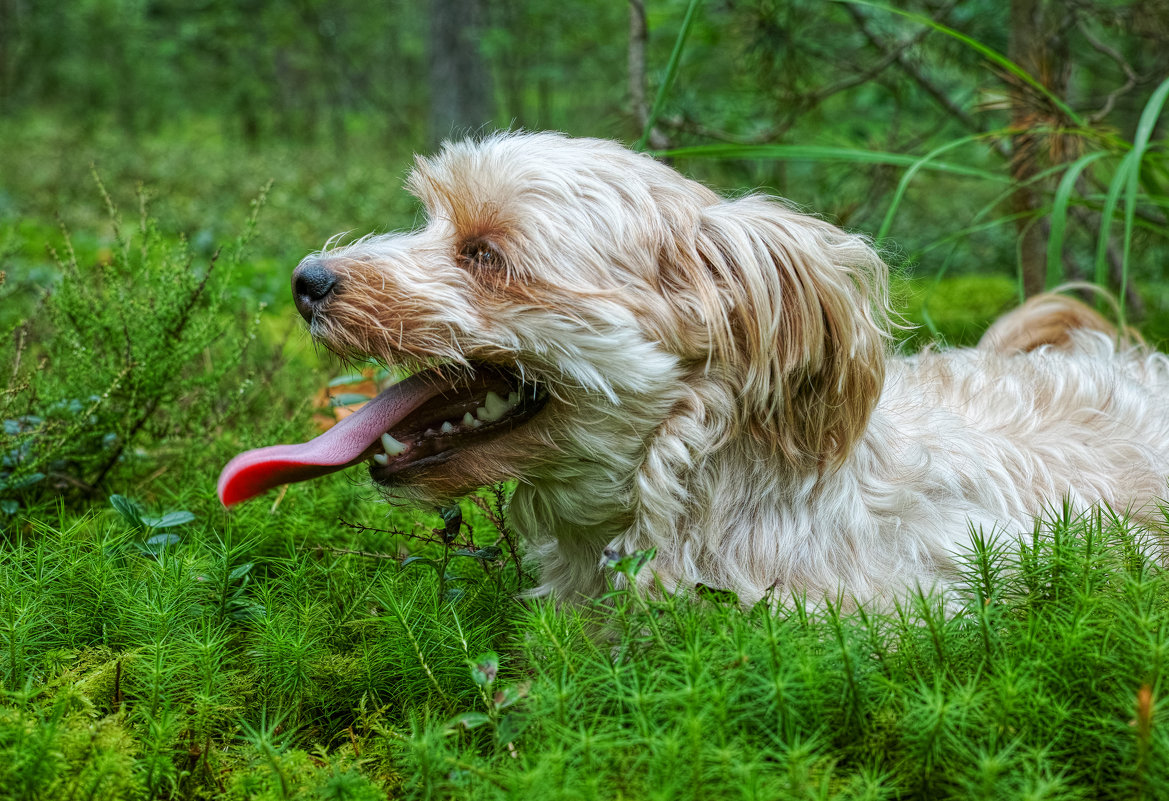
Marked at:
<point>722,383</point>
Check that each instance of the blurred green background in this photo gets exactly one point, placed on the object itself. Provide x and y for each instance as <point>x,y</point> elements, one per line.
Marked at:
<point>827,104</point>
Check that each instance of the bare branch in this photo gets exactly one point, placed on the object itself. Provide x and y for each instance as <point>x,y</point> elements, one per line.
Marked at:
<point>1113,54</point>
<point>909,68</point>
<point>893,53</point>
<point>351,552</point>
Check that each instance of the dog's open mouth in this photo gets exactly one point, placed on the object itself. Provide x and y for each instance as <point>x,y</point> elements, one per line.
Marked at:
<point>420,421</point>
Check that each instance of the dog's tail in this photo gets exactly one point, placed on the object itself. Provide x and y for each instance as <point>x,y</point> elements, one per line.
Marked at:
<point>1051,319</point>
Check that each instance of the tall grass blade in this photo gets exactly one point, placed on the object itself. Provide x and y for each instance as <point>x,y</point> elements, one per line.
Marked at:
<point>828,154</point>
<point>1106,211</point>
<point>1127,179</point>
<point>671,72</point>
<point>1148,122</point>
<point>921,163</point>
<point>1059,216</point>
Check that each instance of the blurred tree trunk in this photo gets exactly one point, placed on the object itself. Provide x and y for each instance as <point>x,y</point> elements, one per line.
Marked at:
<point>461,97</point>
<point>1039,45</point>
<point>638,83</point>
<point>9,28</point>
<point>511,62</point>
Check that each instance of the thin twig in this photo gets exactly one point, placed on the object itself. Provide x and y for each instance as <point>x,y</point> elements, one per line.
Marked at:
<point>1129,73</point>
<point>808,101</point>
<point>907,66</point>
<point>498,519</point>
<point>433,540</point>
<point>351,552</point>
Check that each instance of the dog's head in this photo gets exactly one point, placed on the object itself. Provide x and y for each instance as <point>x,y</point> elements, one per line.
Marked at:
<point>586,287</point>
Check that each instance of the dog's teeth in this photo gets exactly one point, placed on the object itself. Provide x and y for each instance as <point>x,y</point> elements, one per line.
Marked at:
<point>468,420</point>
<point>513,399</point>
<point>381,458</point>
<point>475,424</point>
<point>447,428</point>
<point>391,446</point>
<point>430,432</point>
<point>497,405</point>
<point>493,408</point>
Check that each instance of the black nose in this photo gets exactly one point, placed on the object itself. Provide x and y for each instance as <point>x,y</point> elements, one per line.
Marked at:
<point>312,283</point>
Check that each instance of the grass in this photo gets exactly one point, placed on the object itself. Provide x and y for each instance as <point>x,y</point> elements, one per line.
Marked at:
<point>317,643</point>
<point>253,657</point>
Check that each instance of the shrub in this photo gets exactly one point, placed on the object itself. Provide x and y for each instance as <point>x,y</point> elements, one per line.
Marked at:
<point>135,343</point>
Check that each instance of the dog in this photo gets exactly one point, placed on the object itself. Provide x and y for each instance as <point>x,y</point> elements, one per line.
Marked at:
<point>657,366</point>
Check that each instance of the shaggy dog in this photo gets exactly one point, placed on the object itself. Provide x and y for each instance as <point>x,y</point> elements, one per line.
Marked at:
<point>659,366</point>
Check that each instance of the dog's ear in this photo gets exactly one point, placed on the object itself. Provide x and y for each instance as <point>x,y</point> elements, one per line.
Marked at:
<point>794,311</point>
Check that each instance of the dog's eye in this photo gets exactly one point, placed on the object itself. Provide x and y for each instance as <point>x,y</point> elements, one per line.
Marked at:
<point>480,253</point>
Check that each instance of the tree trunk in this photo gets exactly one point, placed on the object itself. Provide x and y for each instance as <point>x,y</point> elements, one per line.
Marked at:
<point>461,97</point>
<point>1039,46</point>
<point>638,83</point>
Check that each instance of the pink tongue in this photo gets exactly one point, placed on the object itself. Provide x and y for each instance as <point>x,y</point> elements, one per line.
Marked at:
<point>259,470</point>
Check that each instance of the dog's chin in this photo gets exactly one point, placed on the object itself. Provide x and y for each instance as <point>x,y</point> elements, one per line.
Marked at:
<point>451,474</point>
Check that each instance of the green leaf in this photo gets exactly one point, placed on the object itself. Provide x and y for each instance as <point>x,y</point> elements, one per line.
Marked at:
<point>130,510</point>
<point>169,520</point>
<point>414,560</point>
<point>468,720</point>
<point>452,518</point>
<point>163,540</point>
<point>26,481</point>
<point>348,399</point>
<point>485,668</point>
<point>157,544</point>
<point>245,610</point>
<point>630,564</point>
<point>509,696</point>
<point>488,554</point>
<point>240,571</point>
<point>716,596</point>
<point>9,507</point>
<point>511,727</point>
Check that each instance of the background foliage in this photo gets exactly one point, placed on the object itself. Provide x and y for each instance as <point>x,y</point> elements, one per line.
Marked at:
<point>164,164</point>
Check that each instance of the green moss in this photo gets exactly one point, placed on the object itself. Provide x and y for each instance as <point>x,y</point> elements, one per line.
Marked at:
<point>954,311</point>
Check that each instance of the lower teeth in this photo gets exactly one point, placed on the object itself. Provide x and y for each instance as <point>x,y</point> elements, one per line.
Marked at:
<point>495,409</point>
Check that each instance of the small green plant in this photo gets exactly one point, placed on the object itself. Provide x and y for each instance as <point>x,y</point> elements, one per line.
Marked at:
<point>133,513</point>
<point>456,539</point>
<point>505,727</point>
<point>135,343</point>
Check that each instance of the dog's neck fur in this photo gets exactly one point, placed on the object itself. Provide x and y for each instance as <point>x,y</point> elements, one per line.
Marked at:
<point>679,485</point>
